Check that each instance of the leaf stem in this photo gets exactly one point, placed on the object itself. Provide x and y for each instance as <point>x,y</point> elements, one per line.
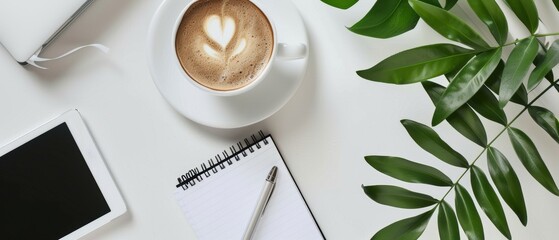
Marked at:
<point>546,34</point>
<point>495,138</point>
<point>512,43</point>
<point>535,35</point>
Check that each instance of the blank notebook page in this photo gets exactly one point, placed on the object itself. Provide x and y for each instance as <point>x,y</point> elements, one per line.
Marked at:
<point>220,206</point>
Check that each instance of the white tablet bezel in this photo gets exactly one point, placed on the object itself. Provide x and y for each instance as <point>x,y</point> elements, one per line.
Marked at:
<point>94,161</point>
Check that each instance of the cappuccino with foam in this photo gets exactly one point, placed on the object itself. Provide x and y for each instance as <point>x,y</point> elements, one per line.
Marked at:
<point>224,44</point>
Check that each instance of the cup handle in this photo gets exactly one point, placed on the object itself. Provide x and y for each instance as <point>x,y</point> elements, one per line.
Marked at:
<point>291,51</point>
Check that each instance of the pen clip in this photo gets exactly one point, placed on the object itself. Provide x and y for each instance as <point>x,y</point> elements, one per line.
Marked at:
<point>268,199</point>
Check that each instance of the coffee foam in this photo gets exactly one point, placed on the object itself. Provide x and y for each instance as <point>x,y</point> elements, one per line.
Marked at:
<point>224,44</point>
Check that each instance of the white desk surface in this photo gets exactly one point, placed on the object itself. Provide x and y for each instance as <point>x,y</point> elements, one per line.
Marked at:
<point>333,120</point>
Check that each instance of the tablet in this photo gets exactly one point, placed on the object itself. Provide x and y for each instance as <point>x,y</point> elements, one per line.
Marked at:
<point>54,183</point>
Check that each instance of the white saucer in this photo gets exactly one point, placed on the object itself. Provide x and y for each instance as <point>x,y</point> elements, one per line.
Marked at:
<point>226,112</point>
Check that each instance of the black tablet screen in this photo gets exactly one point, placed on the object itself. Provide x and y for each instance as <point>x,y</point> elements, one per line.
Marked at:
<point>46,188</point>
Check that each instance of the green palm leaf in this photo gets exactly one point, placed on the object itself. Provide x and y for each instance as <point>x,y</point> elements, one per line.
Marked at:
<point>530,157</point>
<point>484,101</point>
<point>450,3</point>
<point>448,25</point>
<point>341,4</point>
<point>408,171</point>
<point>418,64</point>
<point>546,120</point>
<point>387,18</point>
<point>487,105</point>
<point>405,229</point>
<point>490,13</point>
<point>507,183</point>
<point>448,225</point>
<point>430,141</point>
<point>494,83</point>
<point>466,84</point>
<point>398,197</point>
<point>467,214</point>
<point>550,60</point>
<point>516,68</point>
<point>542,51</point>
<point>488,200</point>
<point>527,12</point>
<point>464,119</point>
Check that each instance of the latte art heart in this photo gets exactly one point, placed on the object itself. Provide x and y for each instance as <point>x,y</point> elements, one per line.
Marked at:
<point>224,44</point>
<point>221,31</point>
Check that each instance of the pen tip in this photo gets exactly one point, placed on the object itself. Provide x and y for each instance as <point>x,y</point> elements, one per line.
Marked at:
<point>272,174</point>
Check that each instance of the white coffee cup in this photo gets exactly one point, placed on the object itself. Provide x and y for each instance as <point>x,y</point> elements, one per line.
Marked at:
<point>280,52</point>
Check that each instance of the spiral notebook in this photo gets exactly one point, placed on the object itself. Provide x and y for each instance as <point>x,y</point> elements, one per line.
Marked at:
<point>218,197</point>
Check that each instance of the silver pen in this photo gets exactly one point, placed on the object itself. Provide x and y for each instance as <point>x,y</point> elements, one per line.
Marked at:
<point>262,203</point>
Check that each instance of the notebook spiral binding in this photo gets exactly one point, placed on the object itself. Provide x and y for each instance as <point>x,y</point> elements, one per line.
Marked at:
<point>221,161</point>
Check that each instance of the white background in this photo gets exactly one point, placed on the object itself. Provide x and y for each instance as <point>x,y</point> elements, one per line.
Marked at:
<point>333,120</point>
